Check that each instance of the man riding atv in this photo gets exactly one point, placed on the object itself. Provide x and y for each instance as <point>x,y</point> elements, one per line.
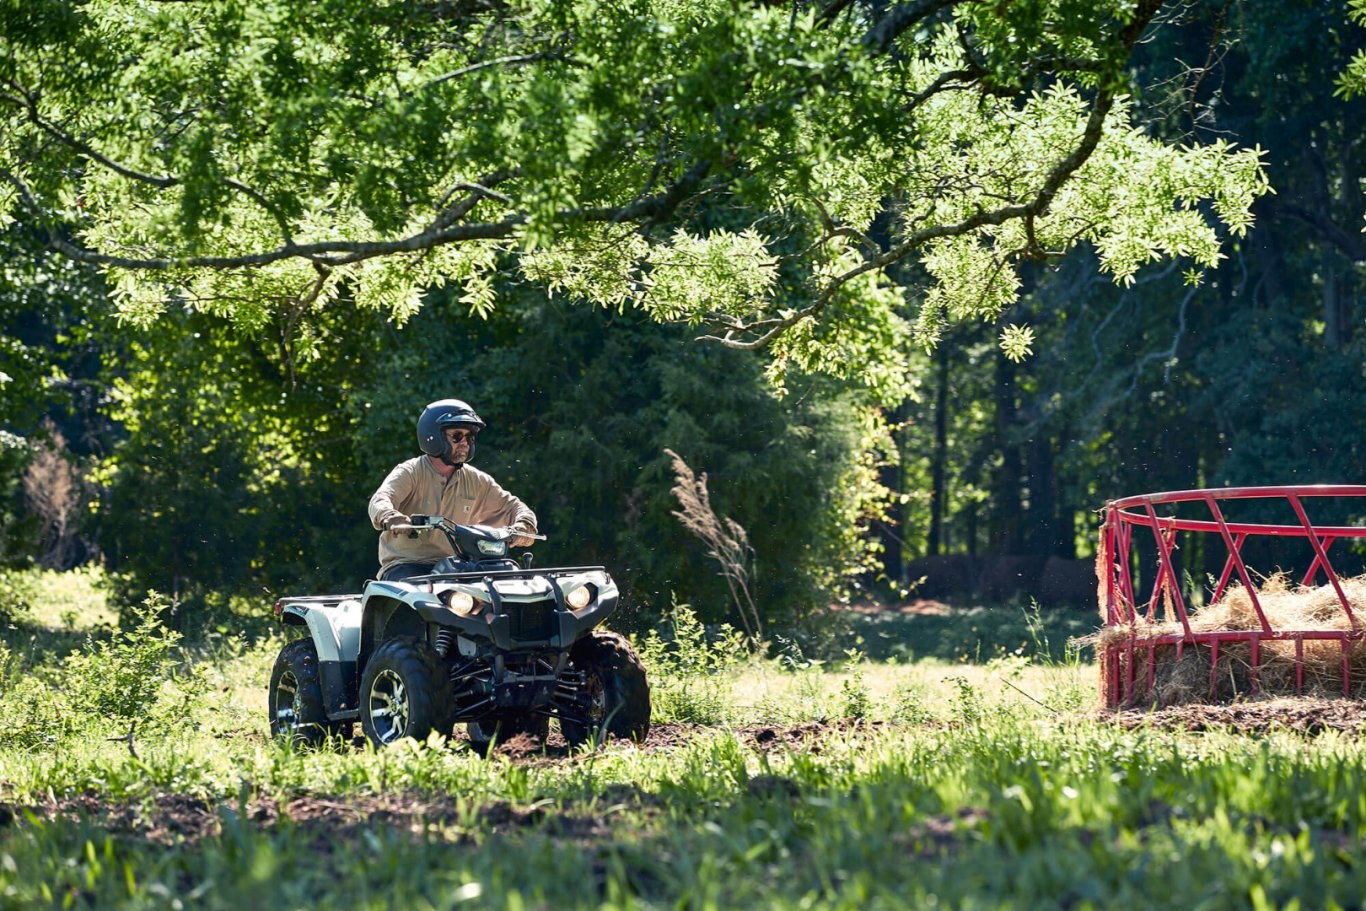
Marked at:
<point>455,631</point>
<point>441,483</point>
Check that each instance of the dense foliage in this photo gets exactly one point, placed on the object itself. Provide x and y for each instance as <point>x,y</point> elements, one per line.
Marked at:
<point>1254,376</point>
<point>232,465</point>
<point>251,158</point>
<point>841,175</point>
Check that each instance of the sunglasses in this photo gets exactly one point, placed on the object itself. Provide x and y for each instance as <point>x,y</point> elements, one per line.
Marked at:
<point>461,436</point>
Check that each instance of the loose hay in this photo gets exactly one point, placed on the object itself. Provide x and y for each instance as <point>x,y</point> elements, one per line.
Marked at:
<point>1187,679</point>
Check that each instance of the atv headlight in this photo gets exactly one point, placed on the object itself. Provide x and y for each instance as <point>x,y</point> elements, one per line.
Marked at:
<point>579,598</point>
<point>493,548</point>
<point>464,603</point>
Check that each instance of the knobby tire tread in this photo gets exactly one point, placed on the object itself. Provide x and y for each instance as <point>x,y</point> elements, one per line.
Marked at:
<point>419,667</point>
<point>610,656</point>
<point>311,724</point>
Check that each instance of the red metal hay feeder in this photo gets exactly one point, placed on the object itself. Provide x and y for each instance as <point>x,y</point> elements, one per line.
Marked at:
<point>1128,661</point>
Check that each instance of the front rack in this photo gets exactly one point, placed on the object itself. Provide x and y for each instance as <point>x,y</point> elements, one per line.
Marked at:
<point>480,575</point>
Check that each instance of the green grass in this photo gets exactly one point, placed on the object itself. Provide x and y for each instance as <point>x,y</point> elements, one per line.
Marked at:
<point>966,784</point>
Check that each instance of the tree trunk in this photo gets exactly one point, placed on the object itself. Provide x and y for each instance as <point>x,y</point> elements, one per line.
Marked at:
<point>1005,537</point>
<point>1040,513</point>
<point>940,454</point>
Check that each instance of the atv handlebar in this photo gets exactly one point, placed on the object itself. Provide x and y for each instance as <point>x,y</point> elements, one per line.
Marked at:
<point>445,524</point>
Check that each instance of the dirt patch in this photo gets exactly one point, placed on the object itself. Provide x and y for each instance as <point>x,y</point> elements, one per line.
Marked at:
<point>919,607</point>
<point>332,822</point>
<point>166,820</point>
<point>806,736</point>
<point>172,818</point>
<point>1302,716</point>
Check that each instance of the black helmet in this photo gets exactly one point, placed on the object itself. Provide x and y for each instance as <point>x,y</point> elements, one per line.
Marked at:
<point>436,417</point>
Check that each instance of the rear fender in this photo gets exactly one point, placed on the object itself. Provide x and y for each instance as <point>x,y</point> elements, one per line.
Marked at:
<point>334,627</point>
<point>336,632</point>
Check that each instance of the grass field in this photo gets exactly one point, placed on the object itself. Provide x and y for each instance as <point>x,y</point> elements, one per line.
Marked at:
<point>898,776</point>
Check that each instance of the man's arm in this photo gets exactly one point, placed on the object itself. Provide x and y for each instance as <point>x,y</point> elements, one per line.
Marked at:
<point>395,489</point>
<point>495,506</point>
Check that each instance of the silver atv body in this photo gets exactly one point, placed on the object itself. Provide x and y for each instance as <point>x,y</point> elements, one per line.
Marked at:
<point>482,640</point>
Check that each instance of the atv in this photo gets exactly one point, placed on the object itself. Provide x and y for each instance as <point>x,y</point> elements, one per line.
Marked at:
<point>482,640</point>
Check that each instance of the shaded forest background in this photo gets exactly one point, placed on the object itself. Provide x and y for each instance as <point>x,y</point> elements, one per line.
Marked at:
<point>199,462</point>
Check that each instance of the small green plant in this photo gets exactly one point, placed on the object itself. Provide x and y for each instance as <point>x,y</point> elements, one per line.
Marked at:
<point>687,669</point>
<point>968,705</point>
<point>809,691</point>
<point>1010,667</point>
<point>137,675</point>
<point>17,593</point>
<point>122,677</point>
<point>856,700</point>
<point>910,704</point>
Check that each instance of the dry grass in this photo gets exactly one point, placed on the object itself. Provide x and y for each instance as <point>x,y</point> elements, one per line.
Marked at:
<point>726,540</point>
<point>1287,607</point>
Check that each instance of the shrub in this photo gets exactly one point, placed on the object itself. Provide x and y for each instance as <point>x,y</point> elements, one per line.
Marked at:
<point>856,701</point>
<point>687,670</point>
<point>18,591</point>
<point>910,704</point>
<point>137,675</point>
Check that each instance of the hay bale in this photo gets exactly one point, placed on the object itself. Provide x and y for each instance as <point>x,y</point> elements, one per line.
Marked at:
<point>1287,606</point>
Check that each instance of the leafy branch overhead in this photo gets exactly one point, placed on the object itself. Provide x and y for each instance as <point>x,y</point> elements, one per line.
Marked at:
<point>725,164</point>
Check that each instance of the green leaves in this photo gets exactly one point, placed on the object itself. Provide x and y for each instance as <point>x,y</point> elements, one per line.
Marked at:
<point>1352,83</point>
<point>696,158</point>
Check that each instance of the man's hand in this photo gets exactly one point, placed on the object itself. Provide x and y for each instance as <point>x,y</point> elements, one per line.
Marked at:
<point>515,539</point>
<point>397,520</point>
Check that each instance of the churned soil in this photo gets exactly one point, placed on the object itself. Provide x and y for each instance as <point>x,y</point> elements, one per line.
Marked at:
<point>1298,715</point>
<point>169,819</point>
<point>806,736</point>
<point>332,822</point>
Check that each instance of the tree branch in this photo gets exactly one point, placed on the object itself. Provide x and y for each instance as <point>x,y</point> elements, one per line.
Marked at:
<point>29,104</point>
<point>1029,211</point>
<point>341,253</point>
<point>900,19</point>
<point>501,61</point>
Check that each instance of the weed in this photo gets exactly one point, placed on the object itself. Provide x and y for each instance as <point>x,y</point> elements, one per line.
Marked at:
<point>809,691</point>
<point>910,704</point>
<point>687,670</point>
<point>856,701</point>
<point>726,540</point>
<point>137,675</point>
<point>968,704</point>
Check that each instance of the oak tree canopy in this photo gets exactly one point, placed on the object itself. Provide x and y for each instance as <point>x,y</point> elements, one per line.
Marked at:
<point>831,180</point>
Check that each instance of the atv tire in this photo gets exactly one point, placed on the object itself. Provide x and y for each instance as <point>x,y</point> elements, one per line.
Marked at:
<point>404,692</point>
<point>484,734</point>
<point>296,698</point>
<point>617,702</point>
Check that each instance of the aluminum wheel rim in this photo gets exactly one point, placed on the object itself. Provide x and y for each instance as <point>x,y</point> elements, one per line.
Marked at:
<point>389,706</point>
<point>287,702</point>
<point>597,700</point>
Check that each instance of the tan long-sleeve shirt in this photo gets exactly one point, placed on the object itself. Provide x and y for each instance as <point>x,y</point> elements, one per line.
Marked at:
<point>468,497</point>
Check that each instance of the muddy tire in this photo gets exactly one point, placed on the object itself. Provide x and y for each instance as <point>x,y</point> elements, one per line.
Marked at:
<point>295,699</point>
<point>617,698</point>
<point>483,734</point>
<point>403,692</point>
